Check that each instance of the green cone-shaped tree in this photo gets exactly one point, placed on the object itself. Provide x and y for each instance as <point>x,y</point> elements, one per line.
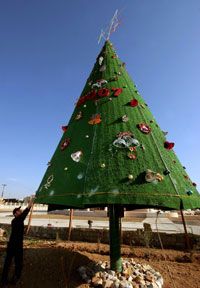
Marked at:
<point>113,152</point>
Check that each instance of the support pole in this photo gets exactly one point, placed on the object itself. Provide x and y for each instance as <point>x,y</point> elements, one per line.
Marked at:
<point>70,223</point>
<point>185,229</point>
<point>115,238</point>
<point>29,220</point>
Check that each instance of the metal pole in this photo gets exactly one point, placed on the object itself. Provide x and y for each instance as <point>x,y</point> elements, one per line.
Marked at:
<point>115,238</point>
<point>70,223</point>
<point>3,188</point>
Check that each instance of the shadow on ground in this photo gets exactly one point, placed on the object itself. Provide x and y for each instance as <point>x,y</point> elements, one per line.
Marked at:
<point>52,267</point>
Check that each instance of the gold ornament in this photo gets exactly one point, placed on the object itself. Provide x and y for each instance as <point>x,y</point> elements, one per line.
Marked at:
<point>130,177</point>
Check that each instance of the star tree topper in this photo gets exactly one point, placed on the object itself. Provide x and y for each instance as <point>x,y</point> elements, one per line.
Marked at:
<point>114,23</point>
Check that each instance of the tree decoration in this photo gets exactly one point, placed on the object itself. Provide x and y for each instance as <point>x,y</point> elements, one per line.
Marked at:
<point>133,103</point>
<point>79,115</point>
<point>164,133</point>
<point>132,148</point>
<point>50,179</point>
<point>117,91</point>
<point>102,165</point>
<point>93,95</point>
<point>102,68</point>
<point>194,184</point>
<point>76,156</point>
<point>49,164</point>
<point>144,128</point>
<point>64,128</point>
<point>99,83</point>
<point>104,92</point>
<point>152,176</point>
<point>130,177</point>
<point>189,192</point>
<point>125,139</point>
<point>100,60</point>
<point>166,172</point>
<point>168,145</point>
<point>124,118</point>
<point>131,156</point>
<point>95,119</point>
<point>80,176</point>
<point>65,144</point>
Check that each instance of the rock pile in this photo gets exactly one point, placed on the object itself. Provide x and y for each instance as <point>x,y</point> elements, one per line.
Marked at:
<point>133,275</point>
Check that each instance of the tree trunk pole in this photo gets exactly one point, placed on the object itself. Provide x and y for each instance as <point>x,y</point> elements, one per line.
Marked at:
<point>70,223</point>
<point>115,238</point>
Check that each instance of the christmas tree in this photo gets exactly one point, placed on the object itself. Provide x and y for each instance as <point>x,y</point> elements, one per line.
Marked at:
<point>113,153</point>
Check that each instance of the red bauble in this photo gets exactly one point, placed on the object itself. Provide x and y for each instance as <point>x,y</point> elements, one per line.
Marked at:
<point>168,145</point>
<point>133,103</point>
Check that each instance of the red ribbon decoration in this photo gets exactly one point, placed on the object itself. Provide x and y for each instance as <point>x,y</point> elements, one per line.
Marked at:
<point>117,91</point>
<point>104,92</point>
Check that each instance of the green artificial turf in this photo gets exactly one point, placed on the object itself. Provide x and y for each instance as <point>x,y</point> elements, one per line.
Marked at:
<point>103,174</point>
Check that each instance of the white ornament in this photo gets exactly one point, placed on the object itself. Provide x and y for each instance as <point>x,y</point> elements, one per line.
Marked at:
<point>103,68</point>
<point>100,60</point>
<point>76,156</point>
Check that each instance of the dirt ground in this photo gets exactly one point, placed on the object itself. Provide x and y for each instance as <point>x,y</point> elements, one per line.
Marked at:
<point>54,264</point>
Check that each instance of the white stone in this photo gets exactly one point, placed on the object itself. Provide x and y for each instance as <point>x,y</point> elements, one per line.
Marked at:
<point>107,283</point>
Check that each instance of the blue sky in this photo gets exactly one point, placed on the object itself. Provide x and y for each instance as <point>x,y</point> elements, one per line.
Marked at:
<point>47,50</point>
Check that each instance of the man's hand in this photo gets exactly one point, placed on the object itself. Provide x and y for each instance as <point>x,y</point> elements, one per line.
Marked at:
<point>31,201</point>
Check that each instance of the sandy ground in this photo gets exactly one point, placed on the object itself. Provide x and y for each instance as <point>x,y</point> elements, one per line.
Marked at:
<point>54,264</point>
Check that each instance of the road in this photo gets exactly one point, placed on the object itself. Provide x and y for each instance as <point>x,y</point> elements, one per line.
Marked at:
<point>163,223</point>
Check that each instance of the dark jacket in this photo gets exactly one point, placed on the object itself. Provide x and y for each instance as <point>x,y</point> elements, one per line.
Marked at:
<point>17,232</point>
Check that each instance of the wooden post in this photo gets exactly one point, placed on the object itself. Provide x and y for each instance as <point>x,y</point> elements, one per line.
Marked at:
<point>70,223</point>
<point>187,241</point>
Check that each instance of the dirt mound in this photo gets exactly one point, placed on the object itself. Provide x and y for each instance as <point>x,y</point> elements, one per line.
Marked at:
<point>54,265</point>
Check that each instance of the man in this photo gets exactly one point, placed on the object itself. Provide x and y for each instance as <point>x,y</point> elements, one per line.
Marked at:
<point>15,244</point>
